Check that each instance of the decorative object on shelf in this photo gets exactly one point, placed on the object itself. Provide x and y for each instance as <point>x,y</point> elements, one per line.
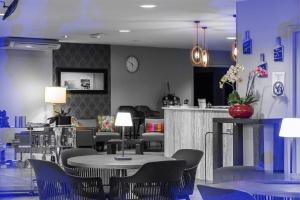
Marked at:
<point>278,83</point>
<point>278,51</point>
<point>262,68</point>
<point>123,119</point>
<point>57,96</point>
<point>132,64</point>
<point>247,43</point>
<point>240,107</point>
<point>202,103</point>
<point>186,102</point>
<point>205,55</point>
<point>9,9</point>
<point>20,121</point>
<point>196,53</point>
<point>3,119</point>
<point>170,99</point>
<point>92,81</point>
<point>62,118</point>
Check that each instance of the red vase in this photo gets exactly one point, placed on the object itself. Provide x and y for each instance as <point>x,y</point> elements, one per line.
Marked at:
<point>241,111</point>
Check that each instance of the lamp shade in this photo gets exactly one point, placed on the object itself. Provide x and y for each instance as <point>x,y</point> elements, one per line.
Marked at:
<point>290,127</point>
<point>55,95</point>
<point>123,119</point>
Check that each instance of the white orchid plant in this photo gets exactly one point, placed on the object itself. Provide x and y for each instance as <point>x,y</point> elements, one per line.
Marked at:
<point>231,78</point>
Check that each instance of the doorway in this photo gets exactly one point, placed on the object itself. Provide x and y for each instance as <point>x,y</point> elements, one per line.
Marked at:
<point>206,86</point>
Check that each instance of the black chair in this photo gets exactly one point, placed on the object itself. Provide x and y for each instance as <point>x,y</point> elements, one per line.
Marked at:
<point>85,137</point>
<point>212,193</point>
<point>54,184</point>
<point>147,112</point>
<point>105,174</point>
<point>192,158</point>
<point>154,181</point>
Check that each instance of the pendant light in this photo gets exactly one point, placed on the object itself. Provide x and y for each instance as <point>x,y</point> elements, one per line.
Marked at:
<point>234,50</point>
<point>205,55</point>
<point>196,53</point>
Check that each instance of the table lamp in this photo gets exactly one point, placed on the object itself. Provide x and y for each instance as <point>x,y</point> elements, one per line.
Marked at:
<point>56,96</point>
<point>290,128</point>
<point>123,119</point>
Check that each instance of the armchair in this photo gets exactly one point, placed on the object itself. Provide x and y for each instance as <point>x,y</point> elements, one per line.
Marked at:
<point>152,131</point>
<point>155,180</point>
<point>54,184</point>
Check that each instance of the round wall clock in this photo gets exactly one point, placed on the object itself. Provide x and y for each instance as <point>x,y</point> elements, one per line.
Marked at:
<point>132,64</point>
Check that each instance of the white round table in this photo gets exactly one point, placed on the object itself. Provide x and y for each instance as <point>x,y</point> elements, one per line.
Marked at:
<point>109,162</point>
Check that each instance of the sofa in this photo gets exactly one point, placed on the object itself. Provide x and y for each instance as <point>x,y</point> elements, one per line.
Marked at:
<point>100,138</point>
<point>153,131</point>
<point>106,131</point>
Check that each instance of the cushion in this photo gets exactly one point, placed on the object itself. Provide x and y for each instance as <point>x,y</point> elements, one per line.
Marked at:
<point>154,125</point>
<point>158,137</point>
<point>105,136</point>
<point>90,123</point>
<point>106,123</point>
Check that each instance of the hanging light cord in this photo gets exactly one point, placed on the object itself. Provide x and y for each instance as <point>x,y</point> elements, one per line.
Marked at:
<point>204,36</point>
<point>204,39</point>
<point>197,33</point>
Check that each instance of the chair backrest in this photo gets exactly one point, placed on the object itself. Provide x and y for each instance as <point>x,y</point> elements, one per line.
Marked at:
<point>163,171</point>
<point>85,137</point>
<point>69,153</point>
<point>191,156</point>
<point>154,180</point>
<point>129,109</point>
<point>54,184</point>
<point>46,170</point>
<point>212,193</point>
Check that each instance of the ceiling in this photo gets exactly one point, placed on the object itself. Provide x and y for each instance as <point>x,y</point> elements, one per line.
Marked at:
<point>170,24</point>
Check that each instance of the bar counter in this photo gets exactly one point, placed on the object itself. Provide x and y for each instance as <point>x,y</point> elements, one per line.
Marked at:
<point>185,128</point>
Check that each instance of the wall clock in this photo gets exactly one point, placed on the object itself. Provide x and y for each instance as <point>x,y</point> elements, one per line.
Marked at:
<point>132,64</point>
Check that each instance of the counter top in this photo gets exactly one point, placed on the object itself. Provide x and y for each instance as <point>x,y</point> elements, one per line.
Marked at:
<point>194,108</point>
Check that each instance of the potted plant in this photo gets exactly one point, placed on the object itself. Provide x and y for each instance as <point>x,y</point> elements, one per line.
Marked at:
<point>61,117</point>
<point>240,107</point>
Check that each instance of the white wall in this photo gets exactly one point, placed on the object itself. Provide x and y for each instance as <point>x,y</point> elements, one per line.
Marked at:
<point>266,20</point>
<point>157,66</point>
<point>23,77</point>
<point>148,85</point>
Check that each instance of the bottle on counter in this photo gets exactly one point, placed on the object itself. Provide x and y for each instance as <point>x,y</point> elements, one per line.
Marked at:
<point>52,158</point>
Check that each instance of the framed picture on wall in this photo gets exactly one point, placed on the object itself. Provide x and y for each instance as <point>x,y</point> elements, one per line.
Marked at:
<point>83,80</point>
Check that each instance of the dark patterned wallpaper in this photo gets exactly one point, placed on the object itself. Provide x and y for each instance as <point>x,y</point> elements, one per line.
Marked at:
<point>70,55</point>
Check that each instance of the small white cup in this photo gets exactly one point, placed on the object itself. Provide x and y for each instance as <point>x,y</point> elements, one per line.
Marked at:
<point>202,103</point>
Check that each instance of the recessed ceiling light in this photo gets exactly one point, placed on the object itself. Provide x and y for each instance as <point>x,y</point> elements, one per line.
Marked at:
<point>96,35</point>
<point>231,38</point>
<point>148,6</point>
<point>124,31</point>
<point>66,36</point>
<point>1,14</point>
<point>28,46</point>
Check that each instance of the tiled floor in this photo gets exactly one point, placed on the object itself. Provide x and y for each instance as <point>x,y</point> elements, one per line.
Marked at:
<point>195,196</point>
<point>16,178</point>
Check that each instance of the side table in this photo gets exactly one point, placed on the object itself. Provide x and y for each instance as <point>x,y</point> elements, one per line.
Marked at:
<point>113,143</point>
